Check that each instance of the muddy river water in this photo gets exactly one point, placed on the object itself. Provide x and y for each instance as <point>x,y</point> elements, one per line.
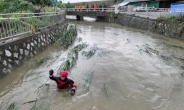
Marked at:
<point>130,70</point>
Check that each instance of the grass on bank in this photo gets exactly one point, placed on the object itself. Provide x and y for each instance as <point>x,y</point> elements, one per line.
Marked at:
<point>172,19</point>
<point>179,20</point>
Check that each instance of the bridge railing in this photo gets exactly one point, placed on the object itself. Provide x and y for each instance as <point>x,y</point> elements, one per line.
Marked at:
<point>91,9</point>
<point>149,12</point>
<point>15,24</point>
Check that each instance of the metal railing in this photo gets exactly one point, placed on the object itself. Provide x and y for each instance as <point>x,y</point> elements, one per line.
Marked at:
<point>177,12</point>
<point>15,24</point>
<point>149,12</point>
<point>154,13</point>
<point>91,9</point>
<point>150,15</point>
<point>150,9</point>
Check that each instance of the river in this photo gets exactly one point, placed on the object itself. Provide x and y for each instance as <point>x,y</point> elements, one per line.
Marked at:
<point>130,70</point>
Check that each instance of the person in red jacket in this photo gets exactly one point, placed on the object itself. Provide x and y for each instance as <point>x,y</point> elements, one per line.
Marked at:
<point>63,82</point>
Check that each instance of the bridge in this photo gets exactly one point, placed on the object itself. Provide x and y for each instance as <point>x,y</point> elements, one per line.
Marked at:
<point>103,14</point>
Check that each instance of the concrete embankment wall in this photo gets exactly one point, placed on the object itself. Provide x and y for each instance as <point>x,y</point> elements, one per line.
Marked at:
<point>172,30</point>
<point>15,53</point>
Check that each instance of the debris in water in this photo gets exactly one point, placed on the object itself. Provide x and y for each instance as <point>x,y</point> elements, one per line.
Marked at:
<point>38,61</point>
<point>90,53</point>
<point>30,101</point>
<point>176,46</point>
<point>53,59</point>
<point>102,53</point>
<point>66,38</point>
<point>181,59</point>
<point>116,34</point>
<point>148,50</point>
<point>12,106</point>
<point>72,57</point>
<point>128,40</point>
<point>182,67</point>
<point>165,58</point>
<point>182,74</point>
<point>88,81</point>
<point>80,47</point>
<point>140,51</point>
<point>106,91</point>
<point>79,39</point>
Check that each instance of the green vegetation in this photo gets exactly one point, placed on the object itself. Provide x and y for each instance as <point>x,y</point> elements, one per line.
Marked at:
<point>172,19</point>
<point>175,46</point>
<point>12,6</point>
<point>107,2</point>
<point>69,5</point>
<point>52,60</point>
<point>167,35</point>
<point>66,38</point>
<point>89,54</point>
<point>88,81</point>
<point>150,51</point>
<point>38,61</point>
<point>30,102</point>
<point>12,106</point>
<point>72,57</point>
<point>106,91</point>
<point>39,2</point>
<point>60,5</point>
<point>9,6</point>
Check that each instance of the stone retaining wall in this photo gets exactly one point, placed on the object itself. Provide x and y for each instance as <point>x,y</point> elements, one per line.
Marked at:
<point>167,29</point>
<point>16,52</point>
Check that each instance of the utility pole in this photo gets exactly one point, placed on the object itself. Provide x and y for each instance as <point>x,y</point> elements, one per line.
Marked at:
<point>54,4</point>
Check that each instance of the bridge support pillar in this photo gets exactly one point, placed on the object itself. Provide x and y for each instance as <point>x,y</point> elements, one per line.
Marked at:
<point>80,17</point>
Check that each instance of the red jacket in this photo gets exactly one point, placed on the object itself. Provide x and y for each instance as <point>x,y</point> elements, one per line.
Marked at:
<point>63,84</point>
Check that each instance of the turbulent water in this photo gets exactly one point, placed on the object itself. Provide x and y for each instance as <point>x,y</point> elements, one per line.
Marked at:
<point>126,69</point>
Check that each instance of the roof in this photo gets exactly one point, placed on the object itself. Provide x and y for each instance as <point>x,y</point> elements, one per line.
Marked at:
<point>123,3</point>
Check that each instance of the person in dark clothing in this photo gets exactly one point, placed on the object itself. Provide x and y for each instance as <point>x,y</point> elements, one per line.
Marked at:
<point>63,82</point>
<point>104,6</point>
<point>100,6</point>
<point>87,6</point>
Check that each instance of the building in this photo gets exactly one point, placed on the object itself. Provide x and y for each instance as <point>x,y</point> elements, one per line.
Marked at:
<point>150,3</point>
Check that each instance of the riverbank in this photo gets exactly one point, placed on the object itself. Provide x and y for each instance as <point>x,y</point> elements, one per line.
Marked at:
<point>16,52</point>
<point>171,30</point>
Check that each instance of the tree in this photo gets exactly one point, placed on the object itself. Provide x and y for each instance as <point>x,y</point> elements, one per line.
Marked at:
<point>41,2</point>
<point>24,5</point>
<point>1,6</point>
<point>60,5</point>
<point>68,5</point>
<point>8,6</point>
<point>48,2</point>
